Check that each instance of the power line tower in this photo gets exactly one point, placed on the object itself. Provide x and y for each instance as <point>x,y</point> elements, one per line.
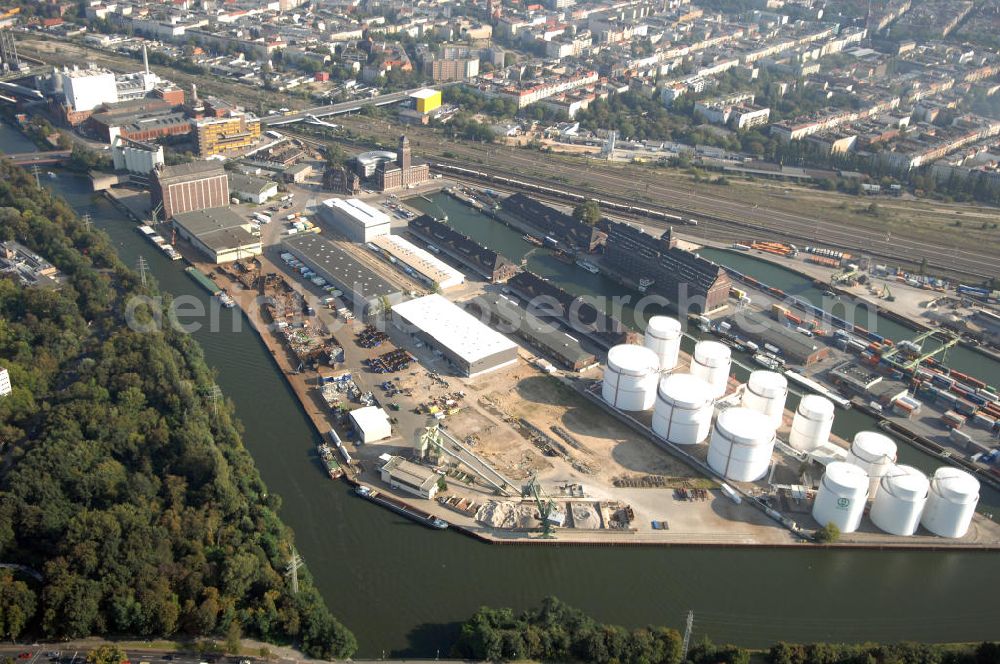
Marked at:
<point>292,570</point>
<point>688,628</point>
<point>34,171</point>
<point>213,394</point>
<point>86,219</point>
<point>8,51</point>
<point>142,267</point>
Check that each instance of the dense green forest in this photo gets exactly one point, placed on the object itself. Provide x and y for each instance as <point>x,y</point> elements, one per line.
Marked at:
<point>555,632</point>
<point>136,502</point>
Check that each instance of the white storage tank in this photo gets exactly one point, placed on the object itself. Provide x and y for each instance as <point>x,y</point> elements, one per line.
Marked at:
<point>951,503</point>
<point>766,392</point>
<point>663,337</point>
<point>683,410</point>
<point>711,361</point>
<point>842,495</point>
<point>630,377</point>
<point>741,445</point>
<point>875,453</point>
<point>812,423</point>
<point>900,501</point>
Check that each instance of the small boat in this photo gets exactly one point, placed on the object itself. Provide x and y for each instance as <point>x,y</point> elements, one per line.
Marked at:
<point>768,361</point>
<point>226,299</point>
<point>531,239</point>
<point>399,507</point>
<point>588,266</point>
<point>644,284</point>
<point>333,468</point>
<point>563,256</point>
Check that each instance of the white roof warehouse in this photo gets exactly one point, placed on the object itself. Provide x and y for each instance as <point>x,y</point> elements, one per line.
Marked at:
<point>474,348</point>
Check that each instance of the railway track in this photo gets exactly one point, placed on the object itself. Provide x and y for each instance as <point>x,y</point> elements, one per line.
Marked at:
<point>716,218</point>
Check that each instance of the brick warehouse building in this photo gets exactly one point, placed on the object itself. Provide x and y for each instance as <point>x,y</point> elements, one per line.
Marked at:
<point>199,185</point>
<point>635,253</point>
<point>402,172</point>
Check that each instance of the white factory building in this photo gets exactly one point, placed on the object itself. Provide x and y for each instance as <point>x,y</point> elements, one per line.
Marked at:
<point>371,423</point>
<point>413,478</point>
<point>471,346</point>
<point>426,266</point>
<point>354,218</point>
<point>86,89</point>
<point>135,156</point>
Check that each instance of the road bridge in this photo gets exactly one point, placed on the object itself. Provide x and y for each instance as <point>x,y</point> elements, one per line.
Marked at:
<point>339,108</point>
<point>40,158</point>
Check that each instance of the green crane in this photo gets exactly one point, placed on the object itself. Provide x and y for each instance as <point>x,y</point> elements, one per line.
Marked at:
<point>545,505</point>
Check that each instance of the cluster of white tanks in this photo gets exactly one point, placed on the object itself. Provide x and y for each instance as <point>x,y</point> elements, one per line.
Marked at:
<point>902,497</point>
<point>742,439</point>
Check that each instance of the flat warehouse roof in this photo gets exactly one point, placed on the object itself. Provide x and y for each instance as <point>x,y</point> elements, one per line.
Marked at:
<point>420,260</point>
<point>217,228</point>
<point>358,210</point>
<point>453,328</point>
<point>338,263</point>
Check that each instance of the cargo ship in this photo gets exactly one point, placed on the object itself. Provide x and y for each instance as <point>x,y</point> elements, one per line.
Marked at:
<point>399,507</point>
<point>202,279</point>
<point>333,468</point>
<point>588,266</point>
<point>531,239</point>
<point>769,361</point>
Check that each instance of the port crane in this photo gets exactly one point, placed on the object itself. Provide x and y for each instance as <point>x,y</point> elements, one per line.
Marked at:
<point>545,505</point>
<point>917,342</point>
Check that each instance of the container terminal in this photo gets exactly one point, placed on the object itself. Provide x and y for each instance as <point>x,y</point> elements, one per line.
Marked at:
<point>531,450</point>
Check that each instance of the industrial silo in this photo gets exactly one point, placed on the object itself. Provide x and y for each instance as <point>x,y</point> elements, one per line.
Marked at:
<point>875,453</point>
<point>900,500</point>
<point>741,445</point>
<point>663,337</point>
<point>630,377</point>
<point>711,361</point>
<point>766,392</point>
<point>842,495</point>
<point>812,423</point>
<point>683,410</point>
<point>951,502</point>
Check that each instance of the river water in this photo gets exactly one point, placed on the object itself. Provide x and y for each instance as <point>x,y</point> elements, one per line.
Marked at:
<point>403,589</point>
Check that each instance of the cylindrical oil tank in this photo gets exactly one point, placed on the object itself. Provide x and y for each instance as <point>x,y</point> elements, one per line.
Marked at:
<point>711,362</point>
<point>766,392</point>
<point>900,500</point>
<point>951,502</point>
<point>683,410</point>
<point>812,423</point>
<point>875,453</point>
<point>663,337</point>
<point>630,377</point>
<point>842,495</point>
<point>741,445</point>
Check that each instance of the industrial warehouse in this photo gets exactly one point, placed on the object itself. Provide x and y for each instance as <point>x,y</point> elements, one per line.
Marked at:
<point>795,347</point>
<point>219,233</point>
<point>354,219</point>
<point>426,266</point>
<point>472,347</point>
<point>337,266</point>
<point>678,275</point>
<point>508,316</point>
<point>483,261</point>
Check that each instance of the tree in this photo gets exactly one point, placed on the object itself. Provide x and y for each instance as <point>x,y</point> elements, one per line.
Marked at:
<point>828,534</point>
<point>233,635</point>
<point>106,654</point>
<point>589,212</point>
<point>17,605</point>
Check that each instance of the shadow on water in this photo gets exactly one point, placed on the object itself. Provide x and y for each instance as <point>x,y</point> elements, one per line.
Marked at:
<point>429,639</point>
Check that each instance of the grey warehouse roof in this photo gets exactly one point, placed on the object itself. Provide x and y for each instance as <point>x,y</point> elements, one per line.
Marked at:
<point>346,270</point>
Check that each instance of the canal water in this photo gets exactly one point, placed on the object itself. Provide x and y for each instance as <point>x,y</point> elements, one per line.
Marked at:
<point>403,589</point>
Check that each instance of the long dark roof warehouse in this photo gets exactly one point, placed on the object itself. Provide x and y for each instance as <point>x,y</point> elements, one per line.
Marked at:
<point>359,283</point>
